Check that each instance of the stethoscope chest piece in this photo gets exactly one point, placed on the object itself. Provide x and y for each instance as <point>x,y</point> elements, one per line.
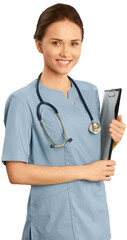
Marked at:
<point>94,127</point>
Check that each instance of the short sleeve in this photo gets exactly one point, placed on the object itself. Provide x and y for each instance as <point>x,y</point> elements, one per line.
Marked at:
<point>18,125</point>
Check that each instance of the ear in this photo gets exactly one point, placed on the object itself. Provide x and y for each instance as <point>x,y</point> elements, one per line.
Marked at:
<point>38,45</point>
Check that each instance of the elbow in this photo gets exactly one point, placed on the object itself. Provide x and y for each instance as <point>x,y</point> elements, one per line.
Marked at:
<point>15,181</point>
<point>15,172</point>
<point>12,180</point>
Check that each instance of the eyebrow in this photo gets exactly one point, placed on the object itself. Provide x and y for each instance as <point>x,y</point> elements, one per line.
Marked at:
<point>62,40</point>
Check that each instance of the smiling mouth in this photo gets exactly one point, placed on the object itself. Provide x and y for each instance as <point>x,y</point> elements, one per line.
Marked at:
<point>63,62</point>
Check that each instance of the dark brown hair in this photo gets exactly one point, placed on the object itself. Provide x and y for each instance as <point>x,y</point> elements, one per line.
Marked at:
<point>56,13</point>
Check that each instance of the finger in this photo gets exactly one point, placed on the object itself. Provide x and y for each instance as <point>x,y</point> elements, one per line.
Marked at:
<point>111,163</point>
<point>115,128</point>
<point>119,118</point>
<point>110,169</point>
<point>116,137</point>
<point>107,178</point>
<point>117,123</point>
<point>109,174</point>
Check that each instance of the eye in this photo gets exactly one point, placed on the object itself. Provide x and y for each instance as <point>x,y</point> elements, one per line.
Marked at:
<point>74,44</point>
<point>56,43</point>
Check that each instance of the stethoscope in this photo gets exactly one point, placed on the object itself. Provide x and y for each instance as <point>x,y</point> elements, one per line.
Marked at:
<point>94,127</point>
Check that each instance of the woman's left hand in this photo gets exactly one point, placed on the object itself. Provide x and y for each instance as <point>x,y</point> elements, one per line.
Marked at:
<point>116,130</point>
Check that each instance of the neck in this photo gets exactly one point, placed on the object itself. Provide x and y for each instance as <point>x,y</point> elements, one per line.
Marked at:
<point>55,80</point>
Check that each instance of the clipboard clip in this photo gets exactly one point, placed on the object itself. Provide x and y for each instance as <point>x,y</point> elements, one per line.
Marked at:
<point>111,92</point>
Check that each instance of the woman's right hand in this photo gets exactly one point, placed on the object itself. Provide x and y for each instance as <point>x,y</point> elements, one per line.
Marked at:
<point>98,171</point>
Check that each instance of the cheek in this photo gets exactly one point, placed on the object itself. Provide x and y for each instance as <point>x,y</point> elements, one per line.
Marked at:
<point>76,57</point>
<point>47,53</point>
<point>50,52</point>
<point>77,54</point>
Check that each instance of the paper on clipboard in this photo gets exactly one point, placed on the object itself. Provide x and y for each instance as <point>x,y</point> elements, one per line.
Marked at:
<point>109,111</point>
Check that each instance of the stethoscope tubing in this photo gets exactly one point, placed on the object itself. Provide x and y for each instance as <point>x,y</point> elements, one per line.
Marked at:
<point>94,127</point>
<point>43,102</point>
<point>82,99</point>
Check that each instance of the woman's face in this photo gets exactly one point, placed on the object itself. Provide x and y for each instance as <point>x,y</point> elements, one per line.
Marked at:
<point>61,46</point>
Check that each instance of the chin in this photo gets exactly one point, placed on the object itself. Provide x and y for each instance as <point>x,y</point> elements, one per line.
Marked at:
<point>61,71</point>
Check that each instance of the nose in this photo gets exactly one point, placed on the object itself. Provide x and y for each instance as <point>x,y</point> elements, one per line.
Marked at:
<point>65,51</point>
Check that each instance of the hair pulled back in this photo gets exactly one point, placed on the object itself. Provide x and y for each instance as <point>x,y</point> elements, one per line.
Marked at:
<point>56,13</point>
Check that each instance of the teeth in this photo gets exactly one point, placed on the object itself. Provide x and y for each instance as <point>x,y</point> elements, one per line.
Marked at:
<point>64,62</point>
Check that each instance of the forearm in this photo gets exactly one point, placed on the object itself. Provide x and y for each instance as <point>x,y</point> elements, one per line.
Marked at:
<point>31,174</point>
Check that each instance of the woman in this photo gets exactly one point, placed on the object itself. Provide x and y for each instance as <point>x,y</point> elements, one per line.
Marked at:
<point>67,198</point>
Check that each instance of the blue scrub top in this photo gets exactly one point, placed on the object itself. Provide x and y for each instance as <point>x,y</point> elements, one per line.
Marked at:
<point>75,210</point>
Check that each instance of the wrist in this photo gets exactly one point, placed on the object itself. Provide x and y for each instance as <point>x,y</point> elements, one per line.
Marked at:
<point>82,171</point>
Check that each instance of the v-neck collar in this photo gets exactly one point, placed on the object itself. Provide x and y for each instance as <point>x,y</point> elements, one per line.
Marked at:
<point>49,93</point>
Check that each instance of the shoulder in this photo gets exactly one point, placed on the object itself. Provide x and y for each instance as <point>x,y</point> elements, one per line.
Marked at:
<point>21,95</point>
<point>85,85</point>
<point>18,101</point>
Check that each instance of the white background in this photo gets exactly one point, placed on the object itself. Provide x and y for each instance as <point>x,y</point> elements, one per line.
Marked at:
<point>103,62</point>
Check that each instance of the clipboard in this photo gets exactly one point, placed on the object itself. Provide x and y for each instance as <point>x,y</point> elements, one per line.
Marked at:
<point>109,111</point>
